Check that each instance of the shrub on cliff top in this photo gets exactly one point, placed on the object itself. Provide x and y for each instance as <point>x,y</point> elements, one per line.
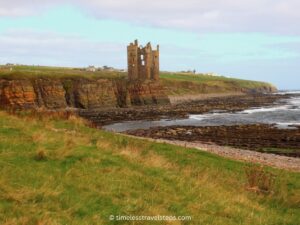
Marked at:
<point>259,179</point>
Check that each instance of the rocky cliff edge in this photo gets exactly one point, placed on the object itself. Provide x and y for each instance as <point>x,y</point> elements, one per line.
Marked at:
<point>81,93</point>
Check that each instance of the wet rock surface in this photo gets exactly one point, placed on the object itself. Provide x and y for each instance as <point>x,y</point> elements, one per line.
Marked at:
<point>257,137</point>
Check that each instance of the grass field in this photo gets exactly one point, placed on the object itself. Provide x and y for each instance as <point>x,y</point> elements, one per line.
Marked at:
<point>201,83</point>
<point>201,78</point>
<point>174,83</point>
<point>56,72</point>
<point>61,171</point>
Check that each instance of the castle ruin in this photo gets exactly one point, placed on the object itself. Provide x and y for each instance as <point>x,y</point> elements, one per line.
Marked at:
<point>143,62</point>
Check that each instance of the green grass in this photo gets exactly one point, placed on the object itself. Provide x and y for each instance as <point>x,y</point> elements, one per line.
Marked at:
<point>207,78</point>
<point>86,174</point>
<point>56,72</point>
<point>177,84</point>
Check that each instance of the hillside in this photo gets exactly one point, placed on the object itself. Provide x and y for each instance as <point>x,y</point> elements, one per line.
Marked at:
<point>57,170</point>
<point>179,84</point>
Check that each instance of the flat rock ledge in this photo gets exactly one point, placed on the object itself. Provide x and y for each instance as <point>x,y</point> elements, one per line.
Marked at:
<point>267,159</point>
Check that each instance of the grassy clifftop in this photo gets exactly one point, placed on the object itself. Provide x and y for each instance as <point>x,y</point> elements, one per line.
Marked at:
<point>60,171</point>
<point>175,83</point>
<point>56,72</point>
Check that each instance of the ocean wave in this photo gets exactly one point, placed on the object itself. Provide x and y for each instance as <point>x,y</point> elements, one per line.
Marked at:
<point>271,109</point>
<point>289,125</point>
<point>286,92</point>
<point>200,117</point>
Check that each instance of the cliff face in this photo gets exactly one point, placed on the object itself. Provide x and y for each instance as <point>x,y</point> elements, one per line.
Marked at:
<point>146,93</point>
<point>17,93</point>
<point>263,89</point>
<point>51,93</point>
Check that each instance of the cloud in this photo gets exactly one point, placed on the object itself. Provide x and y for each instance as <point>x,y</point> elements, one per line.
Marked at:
<point>17,8</point>
<point>257,38</point>
<point>279,16</point>
<point>47,48</point>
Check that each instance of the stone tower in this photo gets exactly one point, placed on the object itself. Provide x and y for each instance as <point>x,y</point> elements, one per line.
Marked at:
<point>143,62</point>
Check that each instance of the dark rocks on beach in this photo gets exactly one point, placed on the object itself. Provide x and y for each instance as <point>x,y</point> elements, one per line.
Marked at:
<point>259,137</point>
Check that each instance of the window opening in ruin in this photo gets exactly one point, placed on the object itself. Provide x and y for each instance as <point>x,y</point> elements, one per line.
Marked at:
<point>138,56</point>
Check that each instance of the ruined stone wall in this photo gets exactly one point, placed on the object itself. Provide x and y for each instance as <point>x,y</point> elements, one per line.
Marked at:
<point>133,61</point>
<point>155,72</point>
<point>143,62</point>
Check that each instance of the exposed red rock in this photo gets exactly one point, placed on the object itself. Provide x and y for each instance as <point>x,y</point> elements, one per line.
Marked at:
<point>146,93</point>
<point>18,93</point>
<point>81,93</point>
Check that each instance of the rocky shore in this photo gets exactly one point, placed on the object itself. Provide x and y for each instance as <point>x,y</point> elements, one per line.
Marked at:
<point>257,137</point>
<point>181,110</point>
<point>259,143</point>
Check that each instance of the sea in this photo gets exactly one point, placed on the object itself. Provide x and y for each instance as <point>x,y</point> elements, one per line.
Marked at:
<point>284,114</point>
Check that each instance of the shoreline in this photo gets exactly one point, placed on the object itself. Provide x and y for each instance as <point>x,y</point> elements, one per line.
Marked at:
<point>264,138</point>
<point>238,149</point>
<point>267,159</point>
<point>229,103</point>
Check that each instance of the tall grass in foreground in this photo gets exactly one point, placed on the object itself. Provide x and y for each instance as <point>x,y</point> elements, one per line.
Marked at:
<point>57,170</point>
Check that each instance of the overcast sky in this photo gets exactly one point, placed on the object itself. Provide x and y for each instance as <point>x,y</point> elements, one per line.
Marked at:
<point>252,39</point>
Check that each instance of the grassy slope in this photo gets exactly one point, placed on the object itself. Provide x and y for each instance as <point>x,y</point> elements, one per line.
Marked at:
<point>175,83</point>
<point>88,175</point>
<point>201,83</point>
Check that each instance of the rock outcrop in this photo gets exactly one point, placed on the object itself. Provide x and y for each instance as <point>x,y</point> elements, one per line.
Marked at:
<point>181,110</point>
<point>81,93</point>
<point>17,93</point>
<point>146,93</point>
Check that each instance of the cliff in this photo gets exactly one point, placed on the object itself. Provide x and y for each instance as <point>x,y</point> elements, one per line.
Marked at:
<point>78,92</point>
<point>59,88</point>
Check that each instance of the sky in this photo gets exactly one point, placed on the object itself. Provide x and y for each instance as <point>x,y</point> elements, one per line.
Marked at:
<point>249,39</point>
